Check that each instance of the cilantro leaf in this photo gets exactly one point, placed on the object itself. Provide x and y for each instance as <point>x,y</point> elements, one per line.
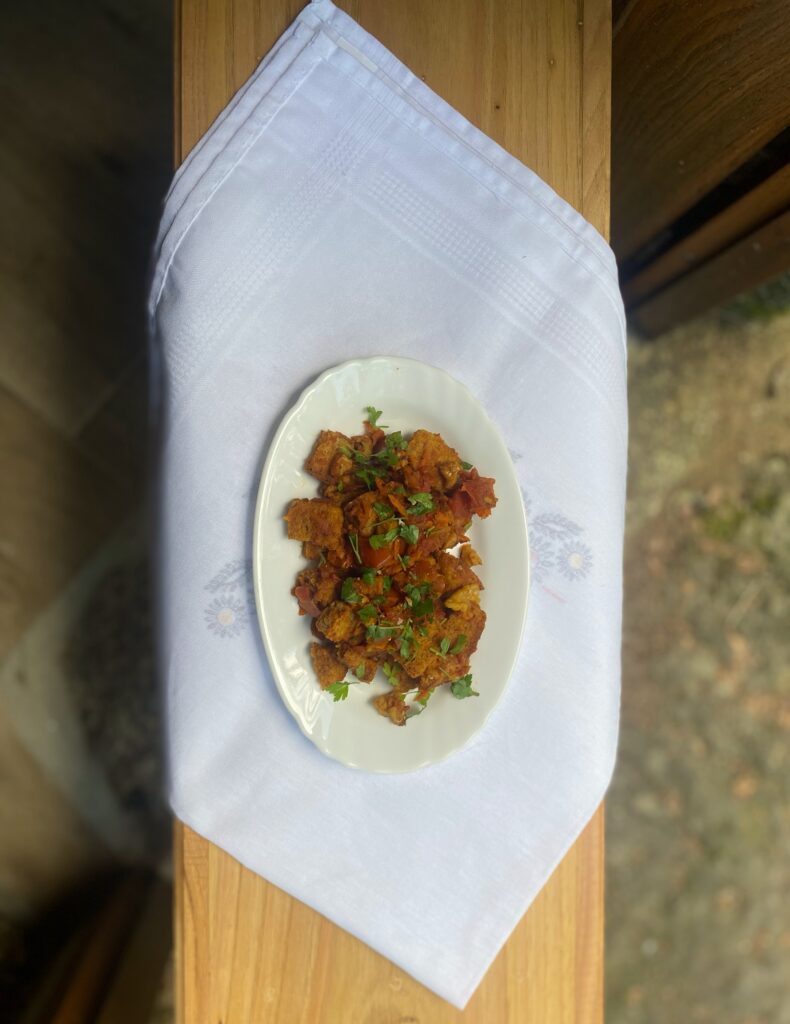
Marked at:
<point>410,533</point>
<point>391,672</point>
<point>381,540</point>
<point>339,691</point>
<point>405,648</point>
<point>444,646</point>
<point>463,687</point>
<point>424,607</point>
<point>392,443</point>
<point>415,591</point>
<point>404,561</point>
<point>373,415</point>
<point>459,645</point>
<point>376,632</point>
<point>382,510</point>
<point>353,539</point>
<point>367,475</point>
<point>386,584</point>
<point>466,465</point>
<point>368,576</point>
<point>367,612</point>
<point>425,698</point>
<point>420,503</point>
<point>359,671</point>
<point>348,592</point>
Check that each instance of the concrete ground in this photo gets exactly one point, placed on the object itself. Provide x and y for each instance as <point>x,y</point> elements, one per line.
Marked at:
<point>698,879</point>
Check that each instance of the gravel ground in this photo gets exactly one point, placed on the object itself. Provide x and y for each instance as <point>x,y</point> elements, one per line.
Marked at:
<point>698,884</point>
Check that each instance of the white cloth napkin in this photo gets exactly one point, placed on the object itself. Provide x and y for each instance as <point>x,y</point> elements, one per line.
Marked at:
<point>339,208</point>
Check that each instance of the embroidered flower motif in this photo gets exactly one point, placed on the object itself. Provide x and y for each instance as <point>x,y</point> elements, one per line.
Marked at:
<point>541,557</point>
<point>574,560</point>
<point>226,616</point>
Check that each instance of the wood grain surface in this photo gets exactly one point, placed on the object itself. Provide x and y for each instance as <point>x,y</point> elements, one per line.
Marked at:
<point>536,77</point>
<point>751,262</point>
<point>754,209</point>
<point>699,88</point>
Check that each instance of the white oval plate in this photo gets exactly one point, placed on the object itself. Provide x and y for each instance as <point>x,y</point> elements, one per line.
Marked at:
<point>411,395</point>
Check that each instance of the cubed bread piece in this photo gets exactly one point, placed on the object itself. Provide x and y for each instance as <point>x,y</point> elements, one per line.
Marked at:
<point>456,573</point>
<point>469,556</point>
<point>464,598</point>
<point>315,521</point>
<point>327,445</point>
<point>328,667</point>
<point>360,514</point>
<point>323,583</point>
<point>358,658</point>
<point>430,463</point>
<point>340,624</point>
<point>392,706</point>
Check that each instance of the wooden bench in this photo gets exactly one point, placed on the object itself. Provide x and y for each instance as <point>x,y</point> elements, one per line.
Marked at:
<point>535,76</point>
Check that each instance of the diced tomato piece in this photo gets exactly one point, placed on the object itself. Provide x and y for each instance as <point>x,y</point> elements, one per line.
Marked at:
<point>377,558</point>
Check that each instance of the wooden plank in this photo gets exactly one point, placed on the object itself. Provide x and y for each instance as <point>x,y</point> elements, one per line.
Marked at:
<point>698,88</point>
<point>750,212</point>
<point>266,957</point>
<point>536,78</point>
<point>759,257</point>
<point>94,972</point>
<point>132,993</point>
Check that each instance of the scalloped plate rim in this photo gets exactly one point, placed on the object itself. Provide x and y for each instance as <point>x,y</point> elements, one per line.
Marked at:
<point>258,535</point>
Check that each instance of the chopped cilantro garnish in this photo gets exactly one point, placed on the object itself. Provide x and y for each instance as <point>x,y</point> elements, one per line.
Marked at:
<point>373,415</point>
<point>425,698</point>
<point>405,648</point>
<point>391,672</point>
<point>466,465</point>
<point>367,612</point>
<point>420,503</point>
<point>359,671</point>
<point>376,632</point>
<point>404,561</point>
<point>463,688</point>
<point>368,576</point>
<point>367,475</point>
<point>443,648</point>
<point>381,540</point>
<point>382,510</point>
<point>353,540</point>
<point>339,691</point>
<point>425,607</point>
<point>394,441</point>
<point>416,591</point>
<point>409,533</point>
<point>459,645</point>
<point>386,584</point>
<point>348,592</point>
